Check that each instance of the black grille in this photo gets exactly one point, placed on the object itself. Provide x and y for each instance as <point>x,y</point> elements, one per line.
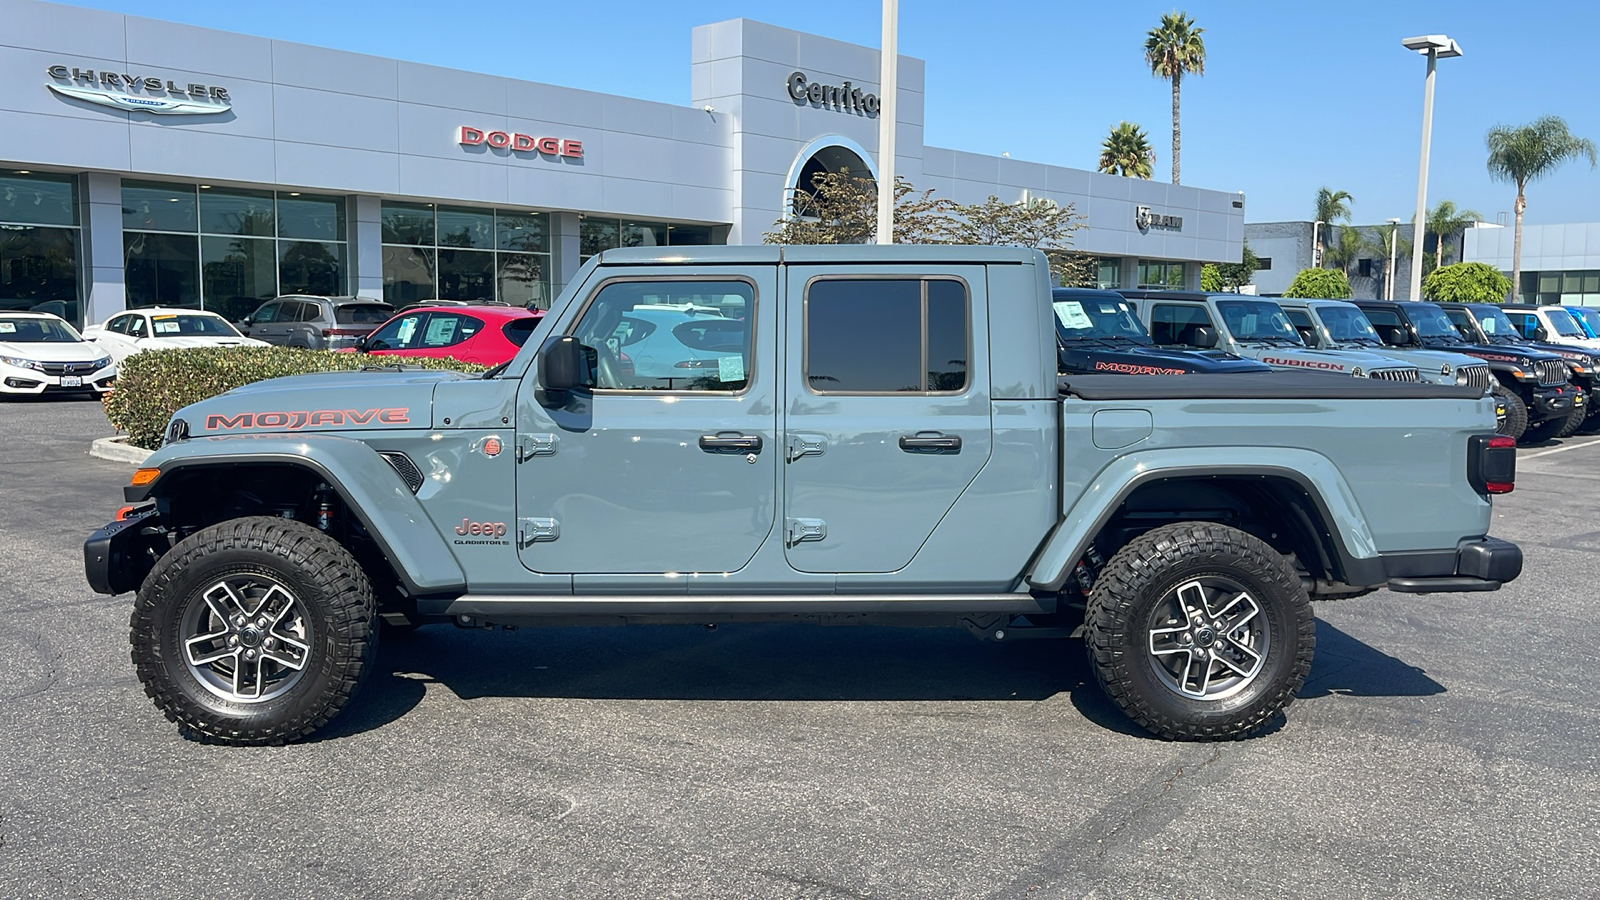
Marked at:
<point>68,368</point>
<point>1477,376</point>
<point>1552,371</point>
<point>405,468</point>
<point>1396,374</point>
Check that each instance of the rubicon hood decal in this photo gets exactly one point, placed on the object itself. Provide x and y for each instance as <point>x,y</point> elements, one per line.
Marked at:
<point>161,106</point>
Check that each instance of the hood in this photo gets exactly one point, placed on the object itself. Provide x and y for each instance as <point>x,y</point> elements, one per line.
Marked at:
<point>1336,362</point>
<point>1137,360</point>
<point>1590,344</point>
<point>1567,351</point>
<point>329,401</point>
<point>43,351</point>
<point>185,341</point>
<point>1513,354</point>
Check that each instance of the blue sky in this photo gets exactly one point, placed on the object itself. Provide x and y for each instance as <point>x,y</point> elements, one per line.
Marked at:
<point>1295,95</point>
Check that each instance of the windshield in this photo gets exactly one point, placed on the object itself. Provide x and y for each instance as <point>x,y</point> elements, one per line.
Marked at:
<point>1496,325</point>
<point>1096,318</point>
<point>190,325</point>
<point>1257,320</point>
<point>29,330</point>
<point>1563,324</point>
<point>1431,322</point>
<point>1347,323</point>
<point>1588,319</point>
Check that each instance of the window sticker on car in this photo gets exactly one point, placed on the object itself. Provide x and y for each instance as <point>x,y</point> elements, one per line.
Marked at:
<point>408,327</point>
<point>440,332</point>
<point>8,328</point>
<point>1071,314</point>
<point>730,368</point>
<point>166,327</point>
<point>1108,309</point>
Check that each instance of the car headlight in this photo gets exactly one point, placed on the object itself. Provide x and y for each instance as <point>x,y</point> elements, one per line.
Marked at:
<point>1461,375</point>
<point>20,363</point>
<point>1444,369</point>
<point>102,362</point>
<point>1357,372</point>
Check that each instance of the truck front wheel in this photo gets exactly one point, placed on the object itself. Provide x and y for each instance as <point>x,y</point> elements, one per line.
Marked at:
<point>1199,631</point>
<point>1516,418</point>
<point>254,631</point>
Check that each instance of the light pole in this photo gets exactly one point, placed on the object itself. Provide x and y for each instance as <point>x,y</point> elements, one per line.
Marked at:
<point>1316,251</point>
<point>1394,238</point>
<point>1435,47</point>
<point>888,78</point>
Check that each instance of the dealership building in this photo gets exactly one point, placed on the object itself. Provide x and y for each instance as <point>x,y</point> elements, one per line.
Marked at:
<point>145,162</point>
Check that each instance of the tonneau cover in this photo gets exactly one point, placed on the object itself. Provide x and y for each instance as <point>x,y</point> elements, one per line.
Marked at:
<point>1250,386</point>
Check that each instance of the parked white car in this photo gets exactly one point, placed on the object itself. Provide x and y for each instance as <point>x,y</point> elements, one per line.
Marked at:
<point>160,328</point>
<point>40,352</point>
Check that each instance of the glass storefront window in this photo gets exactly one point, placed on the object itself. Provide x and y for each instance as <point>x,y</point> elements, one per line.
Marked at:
<point>236,212</point>
<point>408,274</point>
<point>689,235</point>
<point>466,275</point>
<point>643,234</point>
<point>310,217</point>
<point>597,235</point>
<point>523,279</point>
<point>38,199</point>
<point>1160,274</point>
<point>1108,273</point>
<point>408,223</point>
<point>466,228</point>
<point>229,249</point>
<point>161,269</point>
<point>523,233</point>
<point>311,267</point>
<point>39,270</point>
<point>158,207</point>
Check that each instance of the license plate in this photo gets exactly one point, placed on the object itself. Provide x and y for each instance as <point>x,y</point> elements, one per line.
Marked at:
<point>71,381</point>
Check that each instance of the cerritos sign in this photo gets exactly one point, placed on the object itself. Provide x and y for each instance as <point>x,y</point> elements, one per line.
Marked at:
<point>139,93</point>
<point>829,96</point>
<point>521,143</point>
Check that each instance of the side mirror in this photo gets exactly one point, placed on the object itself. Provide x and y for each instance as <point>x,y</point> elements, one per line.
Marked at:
<point>361,343</point>
<point>1395,337</point>
<point>246,322</point>
<point>1205,338</point>
<point>1539,333</point>
<point>563,366</point>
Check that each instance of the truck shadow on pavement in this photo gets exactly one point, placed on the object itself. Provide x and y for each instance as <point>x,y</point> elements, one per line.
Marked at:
<point>783,662</point>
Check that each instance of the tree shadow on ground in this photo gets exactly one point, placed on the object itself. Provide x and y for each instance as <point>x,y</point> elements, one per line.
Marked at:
<point>788,662</point>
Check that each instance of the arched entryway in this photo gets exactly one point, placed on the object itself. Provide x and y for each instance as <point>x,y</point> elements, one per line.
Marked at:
<point>828,154</point>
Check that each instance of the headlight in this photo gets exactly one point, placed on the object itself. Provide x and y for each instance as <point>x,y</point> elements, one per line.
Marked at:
<point>102,362</point>
<point>1461,375</point>
<point>1444,369</point>
<point>20,363</point>
<point>1357,372</point>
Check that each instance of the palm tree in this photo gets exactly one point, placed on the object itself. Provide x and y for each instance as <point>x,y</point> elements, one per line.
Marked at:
<point>1386,244</point>
<point>1346,249</point>
<point>1526,153</point>
<point>1126,152</point>
<point>1173,49</point>
<point>1446,221</point>
<point>1331,207</point>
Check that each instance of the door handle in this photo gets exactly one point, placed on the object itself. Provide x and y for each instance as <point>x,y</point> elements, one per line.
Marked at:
<point>930,442</point>
<point>730,442</point>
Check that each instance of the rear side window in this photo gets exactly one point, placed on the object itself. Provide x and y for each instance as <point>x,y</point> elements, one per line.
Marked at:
<point>363,313</point>
<point>449,329</point>
<point>1174,324</point>
<point>887,336</point>
<point>517,331</point>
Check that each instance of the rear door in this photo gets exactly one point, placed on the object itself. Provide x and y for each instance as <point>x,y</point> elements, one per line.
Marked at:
<point>886,410</point>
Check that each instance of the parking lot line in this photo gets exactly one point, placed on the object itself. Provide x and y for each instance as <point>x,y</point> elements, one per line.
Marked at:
<point>1562,449</point>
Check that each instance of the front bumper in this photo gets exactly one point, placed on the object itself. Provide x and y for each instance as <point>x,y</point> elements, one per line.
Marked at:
<point>17,380</point>
<point>1550,403</point>
<point>1475,566</point>
<point>117,557</point>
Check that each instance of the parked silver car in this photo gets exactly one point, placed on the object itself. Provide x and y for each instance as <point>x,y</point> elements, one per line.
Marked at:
<point>316,323</point>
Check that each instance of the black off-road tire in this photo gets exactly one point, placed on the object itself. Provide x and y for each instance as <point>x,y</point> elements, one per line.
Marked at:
<point>1146,574</point>
<point>1516,412</point>
<point>1574,421</point>
<point>337,607</point>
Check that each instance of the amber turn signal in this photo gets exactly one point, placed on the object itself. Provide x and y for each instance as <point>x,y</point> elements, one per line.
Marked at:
<point>144,476</point>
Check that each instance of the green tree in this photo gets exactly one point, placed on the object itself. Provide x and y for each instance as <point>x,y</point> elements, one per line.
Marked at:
<point>1525,153</point>
<point>1348,246</point>
<point>1126,151</point>
<point>1230,276</point>
<point>1174,49</point>
<point>1031,222</point>
<point>1445,221</point>
<point>842,208</point>
<point>1332,206</point>
<point>1210,278</point>
<point>1320,284</point>
<point>1379,248</point>
<point>1468,282</point>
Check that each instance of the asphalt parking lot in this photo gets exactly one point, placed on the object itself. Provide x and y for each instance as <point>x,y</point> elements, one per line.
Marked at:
<point>1444,746</point>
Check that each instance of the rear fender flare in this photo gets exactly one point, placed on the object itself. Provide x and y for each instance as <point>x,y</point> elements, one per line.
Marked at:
<point>1315,473</point>
<point>371,490</point>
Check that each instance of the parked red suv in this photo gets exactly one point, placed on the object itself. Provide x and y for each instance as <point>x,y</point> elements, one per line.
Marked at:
<point>487,335</point>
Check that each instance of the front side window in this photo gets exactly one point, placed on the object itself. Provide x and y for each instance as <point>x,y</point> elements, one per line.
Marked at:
<point>670,335</point>
<point>399,334</point>
<point>136,327</point>
<point>1301,320</point>
<point>886,336</point>
<point>1172,323</point>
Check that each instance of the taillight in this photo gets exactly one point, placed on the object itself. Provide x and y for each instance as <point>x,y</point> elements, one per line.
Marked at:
<point>343,332</point>
<point>1492,463</point>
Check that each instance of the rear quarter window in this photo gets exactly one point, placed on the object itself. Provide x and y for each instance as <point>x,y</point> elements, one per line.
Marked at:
<point>517,331</point>
<point>363,313</point>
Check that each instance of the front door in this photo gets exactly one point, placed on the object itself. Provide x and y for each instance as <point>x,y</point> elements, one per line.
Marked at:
<point>669,465</point>
<point>886,410</point>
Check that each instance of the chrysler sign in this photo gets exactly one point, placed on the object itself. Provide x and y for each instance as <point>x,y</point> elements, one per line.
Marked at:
<point>521,143</point>
<point>139,93</point>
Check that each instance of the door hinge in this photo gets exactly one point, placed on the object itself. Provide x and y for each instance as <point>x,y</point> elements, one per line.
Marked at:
<point>802,445</point>
<point>798,531</point>
<point>533,531</point>
<point>531,445</point>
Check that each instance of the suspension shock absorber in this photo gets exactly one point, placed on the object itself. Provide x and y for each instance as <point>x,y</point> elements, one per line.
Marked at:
<point>323,499</point>
<point>1088,569</point>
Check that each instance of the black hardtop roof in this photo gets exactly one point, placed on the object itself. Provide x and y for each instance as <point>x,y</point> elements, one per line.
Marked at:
<point>1103,293</point>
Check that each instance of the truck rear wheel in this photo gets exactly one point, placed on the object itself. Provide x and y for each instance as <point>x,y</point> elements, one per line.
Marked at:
<point>1516,420</point>
<point>1574,421</point>
<point>254,631</point>
<point>1199,631</point>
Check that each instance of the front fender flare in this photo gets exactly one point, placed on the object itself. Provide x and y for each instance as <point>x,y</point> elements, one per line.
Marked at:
<point>371,490</point>
<point>1312,471</point>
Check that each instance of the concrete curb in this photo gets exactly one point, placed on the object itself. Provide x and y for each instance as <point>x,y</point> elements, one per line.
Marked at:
<point>117,449</point>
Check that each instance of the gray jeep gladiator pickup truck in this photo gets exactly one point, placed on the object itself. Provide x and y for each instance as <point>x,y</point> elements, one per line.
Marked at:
<point>843,435</point>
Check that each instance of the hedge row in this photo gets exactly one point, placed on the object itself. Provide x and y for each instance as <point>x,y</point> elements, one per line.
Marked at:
<point>151,386</point>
